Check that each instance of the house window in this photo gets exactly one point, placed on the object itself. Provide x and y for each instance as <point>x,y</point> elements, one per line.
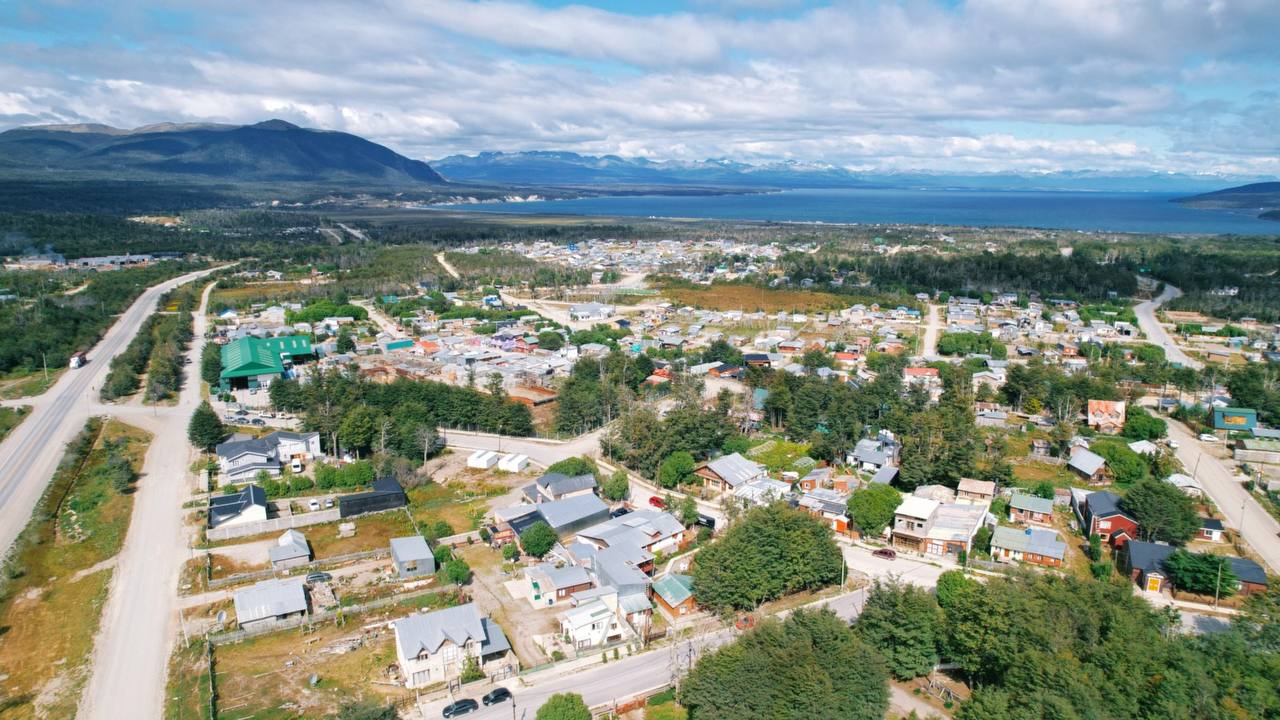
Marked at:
<point>1104,524</point>
<point>420,677</point>
<point>411,566</point>
<point>451,653</point>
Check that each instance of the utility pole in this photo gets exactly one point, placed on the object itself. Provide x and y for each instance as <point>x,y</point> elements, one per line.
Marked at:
<point>1217,585</point>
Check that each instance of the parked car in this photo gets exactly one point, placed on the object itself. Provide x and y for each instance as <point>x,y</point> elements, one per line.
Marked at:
<point>886,553</point>
<point>328,503</point>
<point>706,521</point>
<point>1206,437</point>
<point>461,707</point>
<point>658,502</point>
<point>318,577</point>
<point>257,422</point>
<point>1173,444</point>
<point>496,696</point>
<point>295,465</point>
<point>619,512</point>
<point>313,505</point>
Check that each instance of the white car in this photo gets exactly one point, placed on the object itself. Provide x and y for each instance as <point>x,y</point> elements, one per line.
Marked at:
<point>314,505</point>
<point>1206,437</point>
<point>1173,444</point>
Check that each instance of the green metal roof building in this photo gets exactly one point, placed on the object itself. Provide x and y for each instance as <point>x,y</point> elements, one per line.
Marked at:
<point>252,358</point>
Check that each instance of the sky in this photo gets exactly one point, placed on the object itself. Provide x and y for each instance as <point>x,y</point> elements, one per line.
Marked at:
<point>1190,86</point>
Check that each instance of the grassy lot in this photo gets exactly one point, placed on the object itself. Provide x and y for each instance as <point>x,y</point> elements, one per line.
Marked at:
<point>11,418</point>
<point>1028,474</point>
<point>459,504</point>
<point>372,533</point>
<point>187,697</point>
<point>750,298</point>
<point>267,677</point>
<point>56,581</point>
<point>255,292</point>
<point>20,385</point>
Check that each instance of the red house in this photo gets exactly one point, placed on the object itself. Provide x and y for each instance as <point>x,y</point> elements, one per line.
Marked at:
<point>1100,513</point>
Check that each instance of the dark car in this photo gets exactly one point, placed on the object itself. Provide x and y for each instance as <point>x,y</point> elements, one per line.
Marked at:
<point>461,707</point>
<point>706,521</point>
<point>886,553</point>
<point>619,512</point>
<point>495,696</point>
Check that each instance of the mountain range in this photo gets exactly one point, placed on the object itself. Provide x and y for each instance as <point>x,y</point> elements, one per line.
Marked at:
<point>269,151</point>
<point>567,169</point>
<point>1263,198</point>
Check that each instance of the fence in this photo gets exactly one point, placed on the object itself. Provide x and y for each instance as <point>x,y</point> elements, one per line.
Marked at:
<point>314,565</point>
<point>464,538</point>
<point>227,532</point>
<point>232,636</point>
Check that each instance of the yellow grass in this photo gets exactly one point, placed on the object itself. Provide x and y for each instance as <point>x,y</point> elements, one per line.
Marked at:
<point>749,298</point>
<point>20,385</point>
<point>50,611</point>
<point>254,292</point>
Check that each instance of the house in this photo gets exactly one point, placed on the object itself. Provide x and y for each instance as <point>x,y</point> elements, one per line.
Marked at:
<point>1210,530</point>
<point>727,472</point>
<point>870,455</point>
<point>269,602</point>
<point>412,557</point>
<point>558,486</point>
<point>547,584</point>
<point>911,522</point>
<point>1264,451</point>
<point>290,550</point>
<point>247,505</point>
<point>1100,514</point>
<point>241,459</point>
<point>436,647</point>
<point>594,623</point>
<point>921,376</point>
<point>1040,449</point>
<point>652,531</point>
<point>1186,484</point>
<point>1088,464</point>
<point>1144,447</point>
<point>566,517</point>
<point>828,505</point>
<point>674,595</point>
<point>1031,545</point>
<point>885,475</point>
<point>585,312</point>
<point>991,418</point>
<point>1025,509</point>
<point>762,491</point>
<point>975,491</point>
<point>1106,416</point>
<point>1233,418</point>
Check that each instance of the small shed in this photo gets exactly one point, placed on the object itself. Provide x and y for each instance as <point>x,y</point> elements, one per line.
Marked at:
<point>412,557</point>
<point>291,550</point>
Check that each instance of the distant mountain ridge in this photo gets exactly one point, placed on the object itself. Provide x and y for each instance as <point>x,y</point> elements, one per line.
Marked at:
<point>273,150</point>
<point>556,168</point>
<point>1263,198</point>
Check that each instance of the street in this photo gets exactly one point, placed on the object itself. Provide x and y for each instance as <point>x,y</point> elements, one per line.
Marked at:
<point>1240,510</point>
<point>131,654</point>
<point>30,454</point>
<point>1156,333</point>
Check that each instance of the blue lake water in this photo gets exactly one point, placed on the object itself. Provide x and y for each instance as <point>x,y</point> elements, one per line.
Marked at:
<point>1107,211</point>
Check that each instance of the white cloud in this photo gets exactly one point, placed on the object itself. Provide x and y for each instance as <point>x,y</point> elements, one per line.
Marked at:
<point>1052,84</point>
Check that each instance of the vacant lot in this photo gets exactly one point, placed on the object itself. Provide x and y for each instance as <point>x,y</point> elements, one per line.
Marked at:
<point>10,418</point>
<point>373,532</point>
<point>750,298</point>
<point>56,582</point>
<point>26,384</point>
<point>256,292</point>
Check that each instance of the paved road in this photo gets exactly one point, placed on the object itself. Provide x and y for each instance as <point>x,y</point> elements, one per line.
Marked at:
<point>131,655</point>
<point>1237,506</point>
<point>1156,333</point>
<point>30,454</point>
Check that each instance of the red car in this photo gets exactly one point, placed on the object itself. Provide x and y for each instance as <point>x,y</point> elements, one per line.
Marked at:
<point>657,502</point>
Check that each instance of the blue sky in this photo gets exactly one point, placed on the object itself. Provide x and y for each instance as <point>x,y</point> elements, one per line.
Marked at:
<point>955,86</point>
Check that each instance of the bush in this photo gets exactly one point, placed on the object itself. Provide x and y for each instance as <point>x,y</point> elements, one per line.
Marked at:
<point>564,706</point>
<point>510,552</point>
<point>617,486</point>
<point>871,508</point>
<point>574,466</point>
<point>456,571</point>
<point>676,469</point>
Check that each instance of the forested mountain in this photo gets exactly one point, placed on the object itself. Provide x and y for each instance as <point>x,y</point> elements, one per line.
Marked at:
<point>1263,197</point>
<point>273,150</point>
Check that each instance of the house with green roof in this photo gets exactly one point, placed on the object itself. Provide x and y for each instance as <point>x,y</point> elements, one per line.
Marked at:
<point>251,362</point>
<point>674,594</point>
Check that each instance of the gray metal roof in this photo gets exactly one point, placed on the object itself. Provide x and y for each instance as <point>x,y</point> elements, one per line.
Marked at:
<point>558,484</point>
<point>1033,540</point>
<point>1033,503</point>
<point>270,598</point>
<point>460,624</point>
<point>413,547</point>
<point>292,544</point>
<point>565,513</point>
<point>735,469</point>
<point>1086,461</point>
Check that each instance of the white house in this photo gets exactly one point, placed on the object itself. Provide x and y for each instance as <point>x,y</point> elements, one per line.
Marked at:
<point>591,311</point>
<point>240,460</point>
<point>594,623</point>
<point>246,506</point>
<point>436,646</point>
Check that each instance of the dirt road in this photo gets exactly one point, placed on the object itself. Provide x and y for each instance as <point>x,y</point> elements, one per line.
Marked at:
<point>139,623</point>
<point>1156,333</point>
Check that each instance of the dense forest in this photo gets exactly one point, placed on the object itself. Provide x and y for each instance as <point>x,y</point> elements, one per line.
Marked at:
<point>1252,269</point>
<point>51,326</point>
<point>399,418</point>
<point>1037,646</point>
